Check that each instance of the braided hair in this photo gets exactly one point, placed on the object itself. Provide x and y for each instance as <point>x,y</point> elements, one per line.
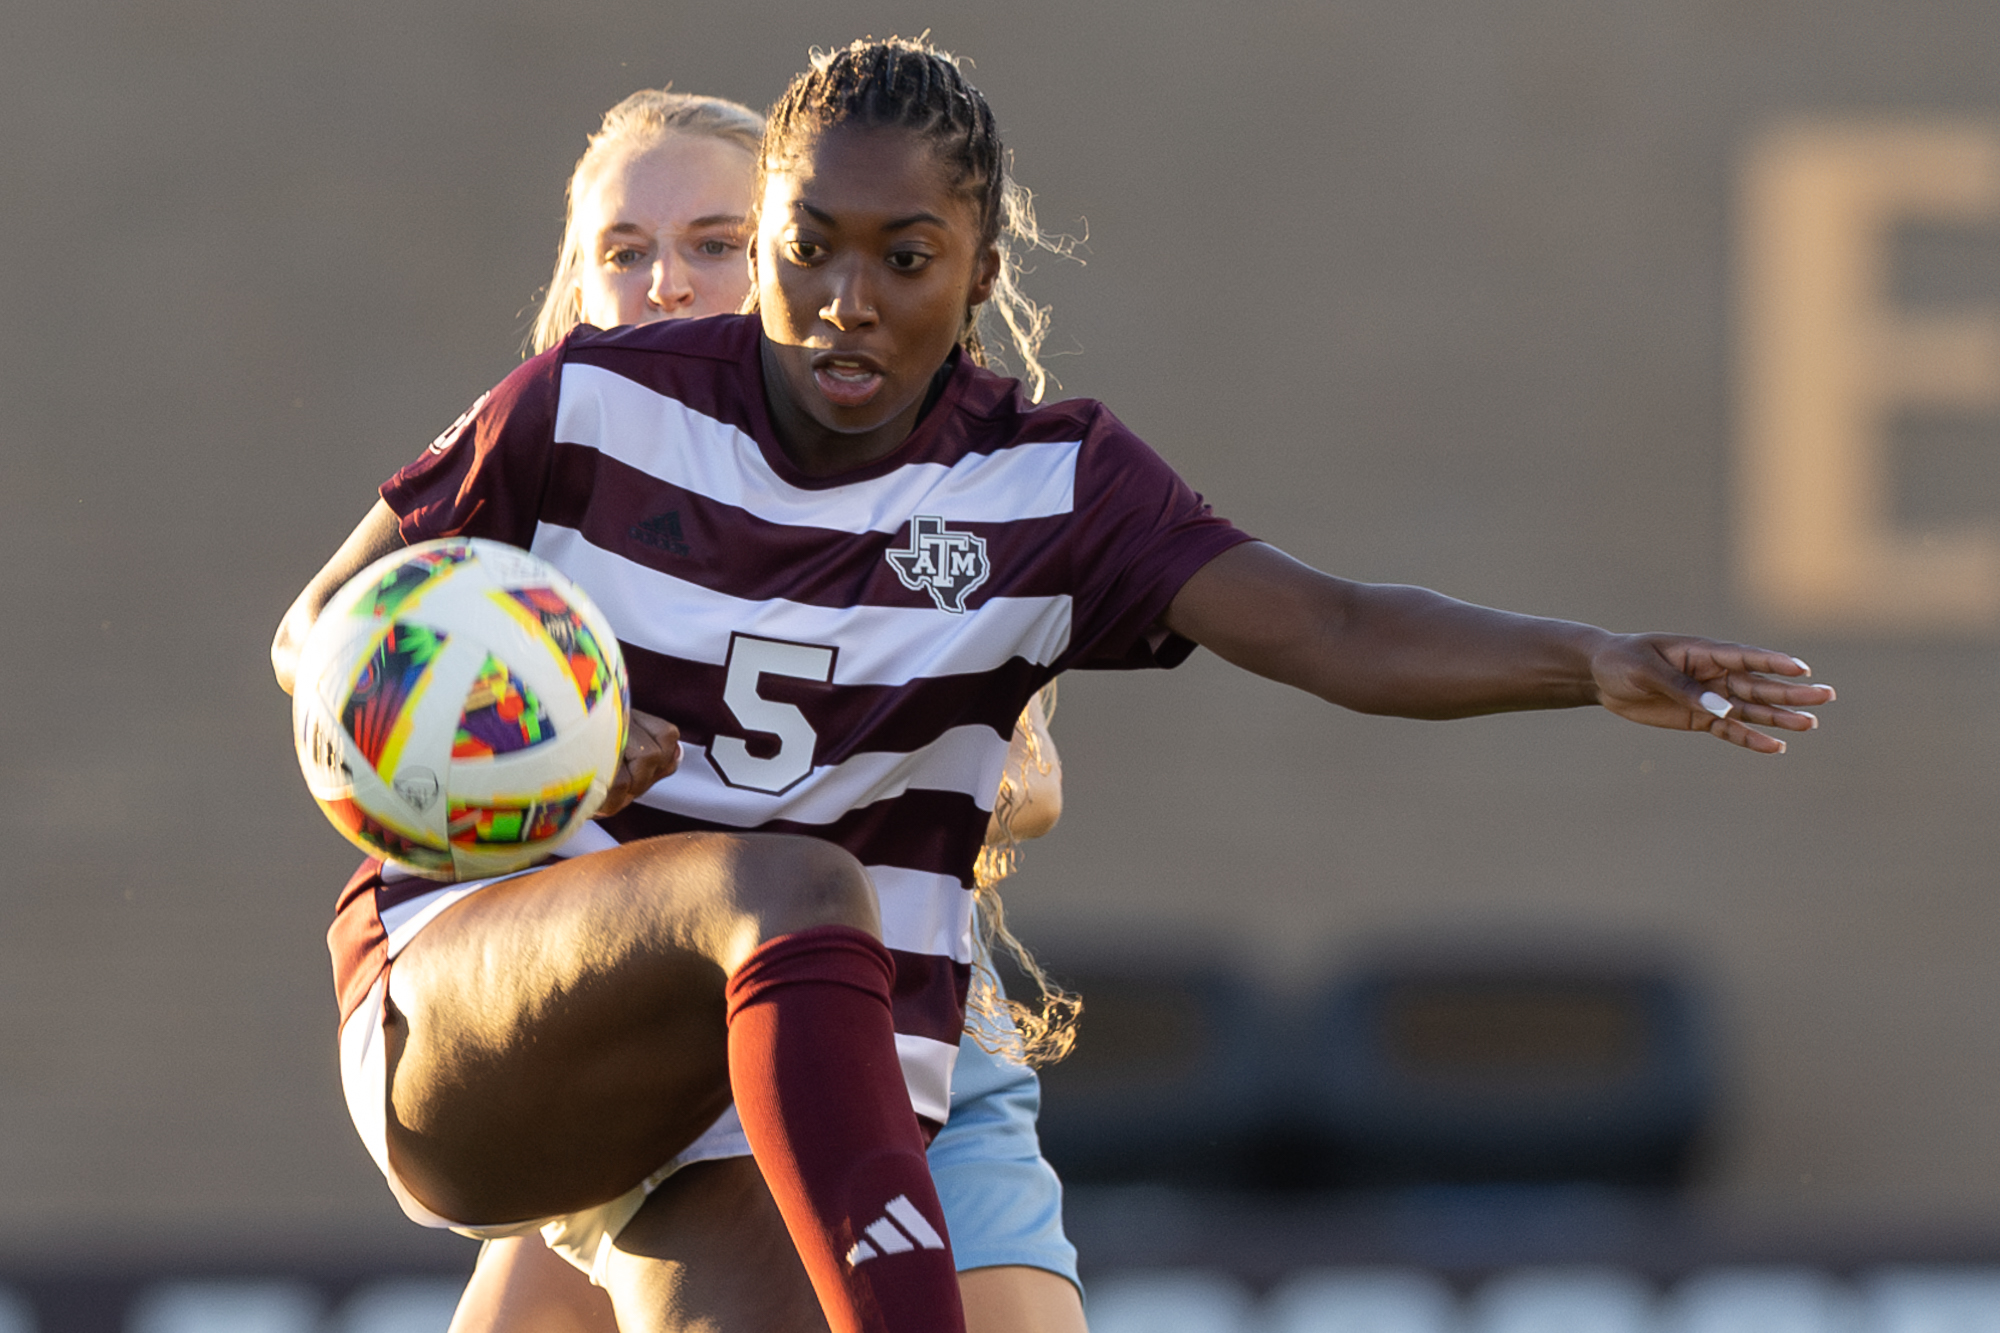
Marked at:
<point>910,85</point>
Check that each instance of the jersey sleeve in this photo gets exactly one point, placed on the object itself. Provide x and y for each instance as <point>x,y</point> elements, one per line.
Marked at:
<point>1139,534</point>
<point>485,476</point>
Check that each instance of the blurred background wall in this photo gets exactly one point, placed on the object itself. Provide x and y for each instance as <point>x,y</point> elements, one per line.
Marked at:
<point>1513,301</point>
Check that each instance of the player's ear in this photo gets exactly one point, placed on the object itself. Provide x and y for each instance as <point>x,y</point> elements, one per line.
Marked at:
<point>985,274</point>
<point>749,306</point>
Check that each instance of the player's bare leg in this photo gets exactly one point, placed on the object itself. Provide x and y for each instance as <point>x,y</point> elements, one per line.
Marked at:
<point>520,1285</point>
<point>709,1254</point>
<point>710,1245</point>
<point>554,1039</point>
<point>1013,1298</point>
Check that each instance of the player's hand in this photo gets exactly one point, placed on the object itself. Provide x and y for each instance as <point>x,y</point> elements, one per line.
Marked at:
<point>1724,689</point>
<point>652,751</point>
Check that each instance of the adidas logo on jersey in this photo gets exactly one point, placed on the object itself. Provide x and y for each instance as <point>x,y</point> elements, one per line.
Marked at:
<point>662,532</point>
<point>946,564</point>
<point>900,1229</point>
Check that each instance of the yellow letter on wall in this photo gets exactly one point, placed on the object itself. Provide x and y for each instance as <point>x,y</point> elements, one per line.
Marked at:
<point>1825,361</point>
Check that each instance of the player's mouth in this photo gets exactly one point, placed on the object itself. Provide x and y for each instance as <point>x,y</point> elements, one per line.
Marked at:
<point>846,380</point>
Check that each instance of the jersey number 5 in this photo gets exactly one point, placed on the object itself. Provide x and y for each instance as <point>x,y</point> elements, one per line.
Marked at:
<point>750,660</point>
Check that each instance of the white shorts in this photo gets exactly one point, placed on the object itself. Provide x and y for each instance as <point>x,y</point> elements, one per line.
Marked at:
<point>1002,1202</point>
<point>584,1238</point>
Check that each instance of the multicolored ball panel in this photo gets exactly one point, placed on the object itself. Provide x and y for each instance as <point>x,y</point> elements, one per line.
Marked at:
<point>379,705</point>
<point>498,824</point>
<point>402,582</point>
<point>557,619</point>
<point>461,708</point>
<point>377,838</point>
<point>502,716</point>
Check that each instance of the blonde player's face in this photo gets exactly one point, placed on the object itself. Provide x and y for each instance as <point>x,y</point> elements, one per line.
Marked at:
<point>663,232</point>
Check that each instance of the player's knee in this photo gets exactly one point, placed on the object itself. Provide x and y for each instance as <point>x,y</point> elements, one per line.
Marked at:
<point>803,883</point>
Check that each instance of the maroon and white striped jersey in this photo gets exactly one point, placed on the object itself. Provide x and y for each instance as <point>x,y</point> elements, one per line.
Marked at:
<point>845,657</point>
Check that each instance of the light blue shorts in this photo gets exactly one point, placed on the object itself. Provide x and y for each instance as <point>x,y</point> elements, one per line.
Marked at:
<point>1002,1201</point>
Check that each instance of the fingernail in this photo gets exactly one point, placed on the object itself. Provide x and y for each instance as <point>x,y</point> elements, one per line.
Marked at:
<point>1715,704</point>
<point>1811,717</point>
<point>1802,665</point>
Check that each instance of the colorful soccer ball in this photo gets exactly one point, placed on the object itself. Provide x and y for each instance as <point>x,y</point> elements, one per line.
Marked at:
<point>460,708</point>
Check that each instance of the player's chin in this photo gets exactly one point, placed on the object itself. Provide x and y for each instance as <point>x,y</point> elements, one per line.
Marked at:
<point>862,420</point>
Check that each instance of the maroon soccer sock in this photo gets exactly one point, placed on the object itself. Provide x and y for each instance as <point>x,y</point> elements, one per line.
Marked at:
<point>812,1060</point>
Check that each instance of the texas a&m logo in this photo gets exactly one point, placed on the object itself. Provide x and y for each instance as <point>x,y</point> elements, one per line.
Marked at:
<point>946,564</point>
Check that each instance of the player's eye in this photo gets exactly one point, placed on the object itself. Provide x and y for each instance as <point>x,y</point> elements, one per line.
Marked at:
<point>625,257</point>
<point>909,261</point>
<point>803,251</point>
<point>715,247</point>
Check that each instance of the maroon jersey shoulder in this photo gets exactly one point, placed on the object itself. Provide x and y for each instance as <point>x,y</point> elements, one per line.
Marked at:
<point>710,365</point>
<point>485,475</point>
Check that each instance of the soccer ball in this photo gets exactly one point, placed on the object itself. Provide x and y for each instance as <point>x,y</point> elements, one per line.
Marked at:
<point>460,708</point>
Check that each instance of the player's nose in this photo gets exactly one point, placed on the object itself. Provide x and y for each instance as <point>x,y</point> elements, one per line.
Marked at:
<point>851,304</point>
<point>672,286</point>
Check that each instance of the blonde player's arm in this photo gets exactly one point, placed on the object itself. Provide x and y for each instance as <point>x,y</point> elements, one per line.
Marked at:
<point>1029,801</point>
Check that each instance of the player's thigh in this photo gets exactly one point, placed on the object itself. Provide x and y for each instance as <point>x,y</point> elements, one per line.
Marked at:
<point>1016,1299</point>
<point>520,1285</point>
<point>555,1037</point>
<point>709,1252</point>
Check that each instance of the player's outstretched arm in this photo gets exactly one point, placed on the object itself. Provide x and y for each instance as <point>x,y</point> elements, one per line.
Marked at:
<point>1410,652</point>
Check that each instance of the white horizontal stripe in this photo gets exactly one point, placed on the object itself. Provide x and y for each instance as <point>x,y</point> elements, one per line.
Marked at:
<point>665,438</point>
<point>924,913</point>
<point>921,912</point>
<point>591,837</point>
<point>879,645</point>
<point>965,759</point>
<point>927,1069</point>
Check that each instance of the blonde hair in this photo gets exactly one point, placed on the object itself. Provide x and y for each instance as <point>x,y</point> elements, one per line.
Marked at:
<point>1027,322</point>
<point>641,120</point>
<point>1038,1034</point>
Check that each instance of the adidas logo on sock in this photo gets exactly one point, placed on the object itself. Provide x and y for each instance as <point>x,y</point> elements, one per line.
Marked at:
<point>901,1229</point>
